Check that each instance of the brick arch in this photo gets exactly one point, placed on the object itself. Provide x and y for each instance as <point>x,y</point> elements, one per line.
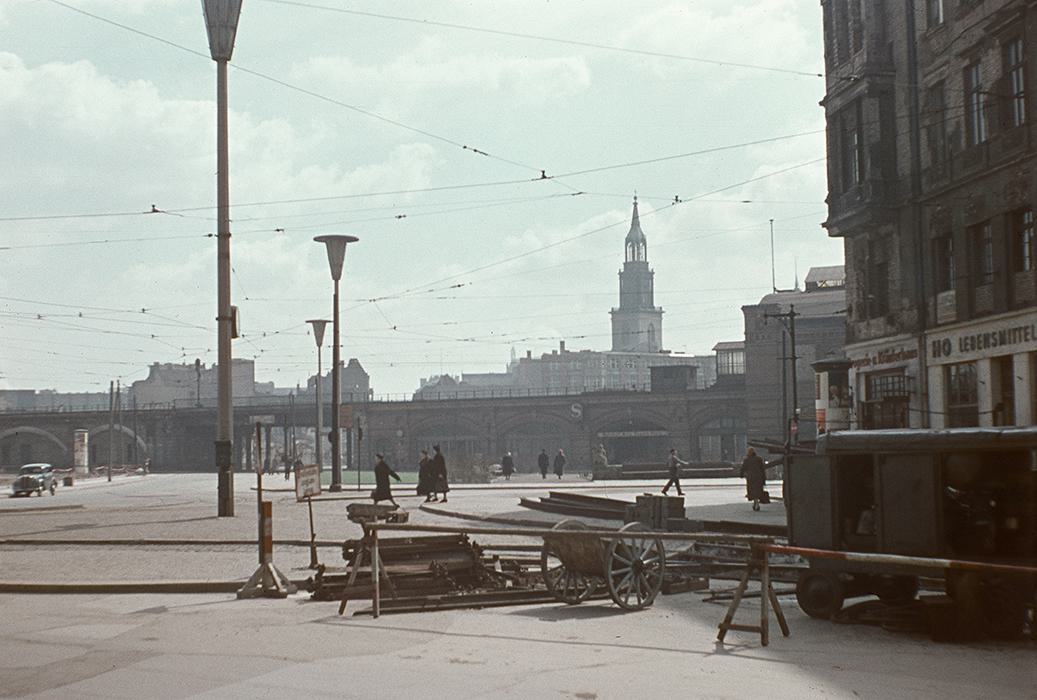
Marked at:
<point>699,416</point>
<point>455,422</point>
<point>34,431</point>
<point>554,421</point>
<point>125,430</point>
<point>616,417</point>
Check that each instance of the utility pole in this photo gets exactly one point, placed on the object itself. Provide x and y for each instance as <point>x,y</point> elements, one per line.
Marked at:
<point>790,328</point>
<point>111,427</point>
<point>118,419</point>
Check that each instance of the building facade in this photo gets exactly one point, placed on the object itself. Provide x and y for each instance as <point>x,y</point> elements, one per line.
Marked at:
<point>932,187</point>
<point>779,379</point>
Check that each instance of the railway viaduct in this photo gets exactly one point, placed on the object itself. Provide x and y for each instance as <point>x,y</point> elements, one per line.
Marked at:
<point>704,425</point>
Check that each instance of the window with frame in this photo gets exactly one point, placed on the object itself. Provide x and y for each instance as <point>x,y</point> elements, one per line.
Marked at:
<point>936,130</point>
<point>1015,75</point>
<point>842,30</point>
<point>962,395</point>
<point>1021,232</point>
<point>975,115</point>
<point>981,238</point>
<point>934,13</point>
<point>886,400</point>
<point>851,145</point>
<point>877,280</point>
<point>944,269</point>
<point>856,26</point>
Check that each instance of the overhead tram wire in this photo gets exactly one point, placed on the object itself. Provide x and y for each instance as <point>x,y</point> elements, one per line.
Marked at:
<point>308,92</point>
<point>554,40</point>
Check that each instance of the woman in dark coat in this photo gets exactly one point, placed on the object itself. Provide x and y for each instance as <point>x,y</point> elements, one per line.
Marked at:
<point>755,474</point>
<point>425,480</point>
<point>439,482</point>
<point>560,463</point>
<point>382,490</point>
<point>507,466</point>
<point>542,461</point>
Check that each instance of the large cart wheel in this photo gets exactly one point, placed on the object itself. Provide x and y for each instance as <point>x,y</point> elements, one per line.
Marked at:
<point>565,584</point>
<point>819,593</point>
<point>634,568</point>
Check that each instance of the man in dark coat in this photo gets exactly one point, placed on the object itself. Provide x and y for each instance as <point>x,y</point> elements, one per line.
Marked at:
<point>382,490</point>
<point>674,466</point>
<point>560,463</point>
<point>439,474</point>
<point>543,461</point>
<point>425,480</point>
<point>754,471</point>
<point>507,465</point>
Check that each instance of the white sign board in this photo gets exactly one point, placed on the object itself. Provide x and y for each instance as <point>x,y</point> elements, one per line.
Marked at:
<point>307,482</point>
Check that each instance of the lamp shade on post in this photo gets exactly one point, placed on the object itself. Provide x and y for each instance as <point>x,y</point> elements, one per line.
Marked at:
<point>336,248</point>
<point>221,23</point>
<point>318,335</point>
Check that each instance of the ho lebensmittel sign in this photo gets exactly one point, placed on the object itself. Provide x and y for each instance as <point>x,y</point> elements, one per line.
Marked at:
<point>307,482</point>
<point>1004,337</point>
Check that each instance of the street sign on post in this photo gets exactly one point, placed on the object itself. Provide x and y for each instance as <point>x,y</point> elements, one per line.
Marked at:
<point>307,482</point>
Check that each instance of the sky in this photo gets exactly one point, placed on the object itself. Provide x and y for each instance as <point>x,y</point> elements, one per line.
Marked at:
<point>486,155</point>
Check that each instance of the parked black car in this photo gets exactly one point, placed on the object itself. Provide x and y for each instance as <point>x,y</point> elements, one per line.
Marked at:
<point>38,477</point>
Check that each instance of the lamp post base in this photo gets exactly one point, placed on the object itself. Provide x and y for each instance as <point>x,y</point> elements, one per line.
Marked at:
<point>225,483</point>
<point>335,488</point>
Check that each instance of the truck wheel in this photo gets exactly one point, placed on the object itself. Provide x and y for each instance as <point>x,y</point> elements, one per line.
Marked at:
<point>895,590</point>
<point>819,594</point>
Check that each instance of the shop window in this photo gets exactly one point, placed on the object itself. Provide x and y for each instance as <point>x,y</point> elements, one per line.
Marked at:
<point>1004,402</point>
<point>962,395</point>
<point>886,401</point>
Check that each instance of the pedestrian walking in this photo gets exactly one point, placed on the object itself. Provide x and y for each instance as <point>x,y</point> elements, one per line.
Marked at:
<point>675,465</point>
<point>425,480</point>
<point>543,461</point>
<point>382,490</point>
<point>560,463</point>
<point>507,465</point>
<point>754,471</point>
<point>440,485</point>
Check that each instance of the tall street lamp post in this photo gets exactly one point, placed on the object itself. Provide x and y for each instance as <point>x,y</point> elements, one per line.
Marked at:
<point>336,246</point>
<point>221,24</point>
<point>318,335</point>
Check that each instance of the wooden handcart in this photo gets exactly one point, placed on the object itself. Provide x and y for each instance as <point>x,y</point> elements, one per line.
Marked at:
<point>631,567</point>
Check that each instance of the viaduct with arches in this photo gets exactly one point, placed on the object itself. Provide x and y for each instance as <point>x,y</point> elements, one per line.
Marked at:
<point>704,425</point>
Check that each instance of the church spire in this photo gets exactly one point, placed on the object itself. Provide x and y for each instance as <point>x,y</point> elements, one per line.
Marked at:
<point>636,244</point>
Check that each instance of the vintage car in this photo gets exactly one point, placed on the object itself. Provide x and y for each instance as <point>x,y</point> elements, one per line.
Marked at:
<point>37,478</point>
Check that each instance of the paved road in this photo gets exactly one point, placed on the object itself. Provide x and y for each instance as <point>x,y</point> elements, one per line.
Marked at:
<point>212,645</point>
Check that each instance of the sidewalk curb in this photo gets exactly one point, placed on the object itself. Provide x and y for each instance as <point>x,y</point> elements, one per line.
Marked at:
<point>51,587</point>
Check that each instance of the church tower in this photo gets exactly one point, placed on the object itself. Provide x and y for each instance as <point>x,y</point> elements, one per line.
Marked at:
<point>637,324</point>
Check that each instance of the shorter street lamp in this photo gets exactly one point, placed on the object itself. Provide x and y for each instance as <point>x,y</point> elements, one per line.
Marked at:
<point>336,246</point>
<point>318,335</point>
